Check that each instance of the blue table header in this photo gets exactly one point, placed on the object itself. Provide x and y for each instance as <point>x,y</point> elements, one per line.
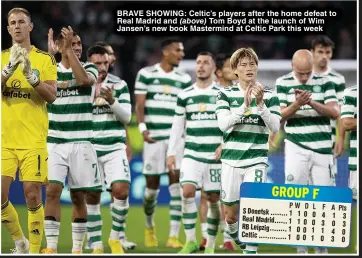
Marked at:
<point>296,192</point>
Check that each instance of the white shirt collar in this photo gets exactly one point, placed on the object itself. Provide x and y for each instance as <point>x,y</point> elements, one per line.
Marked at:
<point>213,83</point>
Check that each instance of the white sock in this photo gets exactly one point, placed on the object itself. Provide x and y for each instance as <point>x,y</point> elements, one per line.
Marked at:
<point>213,220</point>
<point>175,209</point>
<point>19,243</point>
<point>233,233</point>
<point>189,217</point>
<point>79,230</point>
<point>119,213</point>
<point>149,203</point>
<point>94,226</point>
<point>227,237</point>
<point>51,229</point>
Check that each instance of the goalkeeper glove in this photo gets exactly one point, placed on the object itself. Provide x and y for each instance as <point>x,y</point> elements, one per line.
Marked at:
<point>31,77</point>
<point>16,57</point>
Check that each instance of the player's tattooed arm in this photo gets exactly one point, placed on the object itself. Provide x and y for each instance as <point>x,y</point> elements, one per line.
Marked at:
<point>329,109</point>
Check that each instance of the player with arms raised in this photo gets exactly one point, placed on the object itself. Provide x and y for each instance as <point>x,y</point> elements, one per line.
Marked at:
<point>111,112</point>
<point>71,152</point>
<point>28,82</point>
<point>246,112</point>
<point>111,77</point>
<point>349,121</point>
<point>200,166</point>
<point>308,101</point>
<point>156,92</point>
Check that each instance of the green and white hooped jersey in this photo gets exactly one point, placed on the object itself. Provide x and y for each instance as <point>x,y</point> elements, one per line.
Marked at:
<point>247,143</point>
<point>340,82</point>
<point>203,135</point>
<point>307,128</point>
<point>109,133</point>
<point>70,115</point>
<point>161,91</point>
<point>349,109</point>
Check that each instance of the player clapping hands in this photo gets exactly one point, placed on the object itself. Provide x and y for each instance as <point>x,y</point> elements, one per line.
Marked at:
<point>302,97</point>
<point>20,56</point>
<point>254,89</point>
<point>57,46</point>
<point>15,59</point>
<point>31,77</point>
<point>107,94</point>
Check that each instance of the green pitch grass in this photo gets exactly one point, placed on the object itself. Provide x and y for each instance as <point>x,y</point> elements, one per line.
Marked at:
<point>135,233</point>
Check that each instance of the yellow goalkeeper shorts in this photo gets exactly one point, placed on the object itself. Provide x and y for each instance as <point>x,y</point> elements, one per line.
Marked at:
<point>32,164</point>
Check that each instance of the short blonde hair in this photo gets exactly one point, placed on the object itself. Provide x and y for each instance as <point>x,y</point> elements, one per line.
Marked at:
<point>19,10</point>
<point>240,54</point>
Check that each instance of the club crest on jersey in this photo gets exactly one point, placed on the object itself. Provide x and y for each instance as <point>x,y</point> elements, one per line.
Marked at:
<point>166,89</point>
<point>317,88</point>
<point>16,84</point>
<point>202,107</point>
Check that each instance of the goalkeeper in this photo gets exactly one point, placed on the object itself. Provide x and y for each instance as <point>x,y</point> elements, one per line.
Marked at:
<point>28,81</point>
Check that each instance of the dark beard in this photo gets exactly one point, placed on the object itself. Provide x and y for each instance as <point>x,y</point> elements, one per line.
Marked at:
<point>203,78</point>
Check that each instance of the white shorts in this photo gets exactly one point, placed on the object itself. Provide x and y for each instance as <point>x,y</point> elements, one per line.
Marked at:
<point>155,157</point>
<point>200,174</point>
<point>78,162</point>
<point>304,166</point>
<point>114,168</point>
<point>232,178</point>
<point>353,183</point>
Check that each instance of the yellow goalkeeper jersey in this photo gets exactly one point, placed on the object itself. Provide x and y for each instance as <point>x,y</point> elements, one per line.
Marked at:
<point>24,117</point>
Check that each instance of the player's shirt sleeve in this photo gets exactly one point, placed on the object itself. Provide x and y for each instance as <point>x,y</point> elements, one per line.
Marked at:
<point>330,92</point>
<point>222,102</point>
<point>188,83</point>
<point>180,109</point>
<point>178,124</point>
<point>348,109</point>
<point>273,103</point>
<point>281,92</point>
<point>141,83</point>
<point>122,108</point>
<point>91,69</point>
<point>340,91</point>
<point>122,93</point>
<point>50,71</point>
